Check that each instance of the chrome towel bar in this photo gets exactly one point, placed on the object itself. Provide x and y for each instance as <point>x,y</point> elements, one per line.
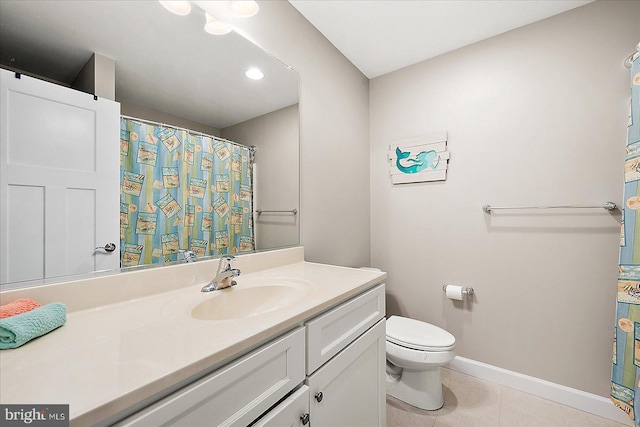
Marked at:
<point>609,206</point>
<point>291,211</point>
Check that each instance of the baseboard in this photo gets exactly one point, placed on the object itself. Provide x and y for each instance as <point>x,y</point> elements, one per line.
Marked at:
<point>568,396</point>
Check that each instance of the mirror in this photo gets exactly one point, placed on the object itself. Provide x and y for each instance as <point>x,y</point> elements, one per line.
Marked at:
<point>169,70</point>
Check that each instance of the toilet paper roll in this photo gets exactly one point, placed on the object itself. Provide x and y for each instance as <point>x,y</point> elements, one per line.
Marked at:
<point>454,292</point>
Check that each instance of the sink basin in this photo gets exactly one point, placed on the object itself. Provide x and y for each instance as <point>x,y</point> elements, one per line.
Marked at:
<point>247,301</point>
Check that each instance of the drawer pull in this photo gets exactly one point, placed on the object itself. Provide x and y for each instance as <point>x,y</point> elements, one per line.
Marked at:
<point>305,419</point>
<point>318,397</point>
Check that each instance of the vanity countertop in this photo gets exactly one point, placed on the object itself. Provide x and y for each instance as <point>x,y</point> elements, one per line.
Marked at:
<point>107,358</point>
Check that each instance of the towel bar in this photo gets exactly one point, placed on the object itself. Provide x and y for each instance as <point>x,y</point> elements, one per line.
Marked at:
<point>291,211</point>
<point>609,206</point>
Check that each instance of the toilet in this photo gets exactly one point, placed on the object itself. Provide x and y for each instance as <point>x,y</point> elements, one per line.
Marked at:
<point>415,352</point>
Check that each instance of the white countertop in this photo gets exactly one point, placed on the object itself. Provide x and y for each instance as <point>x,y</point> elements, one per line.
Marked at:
<point>107,358</point>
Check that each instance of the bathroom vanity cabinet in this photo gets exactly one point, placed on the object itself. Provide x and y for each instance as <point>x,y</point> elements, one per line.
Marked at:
<point>327,372</point>
<point>346,363</point>
<point>136,342</point>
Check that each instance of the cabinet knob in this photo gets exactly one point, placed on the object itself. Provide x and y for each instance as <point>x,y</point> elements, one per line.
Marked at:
<point>305,419</point>
<point>318,397</point>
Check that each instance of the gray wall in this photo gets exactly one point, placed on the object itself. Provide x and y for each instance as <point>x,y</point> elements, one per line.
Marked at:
<point>276,136</point>
<point>536,116</point>
<point>334,135</point>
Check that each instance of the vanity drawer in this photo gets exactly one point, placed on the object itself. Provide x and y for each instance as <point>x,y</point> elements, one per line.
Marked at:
<point>332,331</point>
<point>236,394</point>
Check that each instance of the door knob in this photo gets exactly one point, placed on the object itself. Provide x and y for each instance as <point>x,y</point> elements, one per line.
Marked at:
<point>109,247</point>
<point>304,419</point>
<point>318,397</point>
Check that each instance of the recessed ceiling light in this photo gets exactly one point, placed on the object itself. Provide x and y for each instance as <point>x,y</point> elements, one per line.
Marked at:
<point>254,74</point>
<point>179,7</point>
<point>215,27</point>
<point>243,8</point>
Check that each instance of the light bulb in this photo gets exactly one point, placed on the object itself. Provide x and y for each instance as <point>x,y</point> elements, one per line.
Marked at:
<point>179,7</point>
<point>215,27</point>
<point>254,74</point>
<point>243,8</point>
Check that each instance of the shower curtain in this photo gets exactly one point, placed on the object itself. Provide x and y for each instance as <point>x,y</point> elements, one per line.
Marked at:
<point>182,190</point>
<point>626,339</point>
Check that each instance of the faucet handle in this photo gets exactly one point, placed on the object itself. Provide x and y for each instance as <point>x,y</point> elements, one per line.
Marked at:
<point>225,262</point>
<point>187,255</point>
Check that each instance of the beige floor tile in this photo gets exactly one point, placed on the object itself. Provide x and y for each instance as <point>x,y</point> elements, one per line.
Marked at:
<point>577,418</point>
<point>470,402</point>
<point>474,393</point>
<point>400,414</point>
<point>520,409</point>
<point>447,374</point>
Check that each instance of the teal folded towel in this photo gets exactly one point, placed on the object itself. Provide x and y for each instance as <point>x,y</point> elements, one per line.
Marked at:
<point>22,328</point>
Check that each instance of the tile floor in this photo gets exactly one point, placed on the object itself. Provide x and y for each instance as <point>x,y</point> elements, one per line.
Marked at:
<point>472,402</point>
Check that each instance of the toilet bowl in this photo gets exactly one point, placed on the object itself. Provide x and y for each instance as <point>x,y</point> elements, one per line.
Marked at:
<point>415,352</point>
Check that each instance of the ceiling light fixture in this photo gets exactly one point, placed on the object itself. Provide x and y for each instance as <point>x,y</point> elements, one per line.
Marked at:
<point>254,74</point>
<point>215,27</point>
<point>243,8</point>
<point>179,7</point>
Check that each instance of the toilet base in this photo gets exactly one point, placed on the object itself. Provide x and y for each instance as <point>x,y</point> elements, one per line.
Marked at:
<point>422,389</point>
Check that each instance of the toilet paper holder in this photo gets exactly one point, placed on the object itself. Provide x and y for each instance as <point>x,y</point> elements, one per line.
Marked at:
<point>468,291</point>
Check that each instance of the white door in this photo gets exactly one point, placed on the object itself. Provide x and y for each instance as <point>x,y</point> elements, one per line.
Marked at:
<point>59,180</point>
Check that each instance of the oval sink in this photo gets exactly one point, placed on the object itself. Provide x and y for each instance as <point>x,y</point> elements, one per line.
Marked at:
<point>238,302</point>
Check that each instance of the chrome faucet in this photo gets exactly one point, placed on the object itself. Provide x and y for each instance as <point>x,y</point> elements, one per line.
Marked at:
<point>224,276</point>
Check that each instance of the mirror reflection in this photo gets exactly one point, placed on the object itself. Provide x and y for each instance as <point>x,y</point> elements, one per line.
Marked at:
<point>208,157</point>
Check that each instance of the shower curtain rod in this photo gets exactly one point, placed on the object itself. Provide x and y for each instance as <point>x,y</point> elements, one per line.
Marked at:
<point>629,59</point>
<point>151,122</point>
<point>609,206</point>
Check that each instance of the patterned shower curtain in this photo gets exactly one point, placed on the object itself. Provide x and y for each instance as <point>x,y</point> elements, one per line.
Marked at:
<point>626,339</point>
<point>182,190</point>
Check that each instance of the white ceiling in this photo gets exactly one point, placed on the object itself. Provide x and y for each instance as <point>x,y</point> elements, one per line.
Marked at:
<point>381,36</point>
<point>160,57</point>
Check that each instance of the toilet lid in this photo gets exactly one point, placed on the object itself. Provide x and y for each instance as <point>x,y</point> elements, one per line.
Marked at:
<point>418,335</point>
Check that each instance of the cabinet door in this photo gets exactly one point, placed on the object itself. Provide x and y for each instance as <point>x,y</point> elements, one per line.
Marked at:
<point>59,180</point>
<point>350,389</point>
<point>292,412</point>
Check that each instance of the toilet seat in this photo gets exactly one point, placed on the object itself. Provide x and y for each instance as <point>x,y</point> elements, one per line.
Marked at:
<point>417,335</point>
<point>420,360</point>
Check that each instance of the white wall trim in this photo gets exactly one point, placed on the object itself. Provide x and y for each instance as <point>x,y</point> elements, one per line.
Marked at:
<point>568,396</point>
